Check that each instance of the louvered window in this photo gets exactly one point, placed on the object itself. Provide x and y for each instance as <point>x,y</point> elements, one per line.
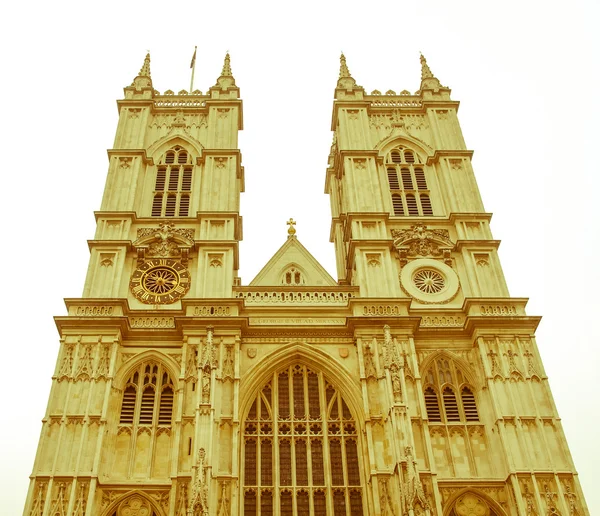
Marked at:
<point>408,183</point>
<point>397,204</point>
<point>173,178</point>
<point>147,406</point>
<point>165,413</point>
<point>468,401</point>
<point>411,204</point>
<point>450,405</point>
<point>444,380</point>
<point>299,441</point>
<point>393,179</point>
<point>128,405</point>
<point>432,405</point>
<point>426,204</point>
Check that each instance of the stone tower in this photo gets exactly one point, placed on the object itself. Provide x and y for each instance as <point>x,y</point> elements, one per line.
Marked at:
<point>412,385</point>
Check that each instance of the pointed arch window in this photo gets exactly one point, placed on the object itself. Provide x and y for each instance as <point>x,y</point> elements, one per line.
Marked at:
<point>148,397</point>
<point>445,383</point>
<point>408,183</point>
<point>173,184</point>
<point>300,449</point>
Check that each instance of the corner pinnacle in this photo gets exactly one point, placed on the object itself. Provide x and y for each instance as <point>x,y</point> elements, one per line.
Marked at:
<point>344,72</point>
<point>226,72</point>
<point>425,70</point>
<point>145,69</point>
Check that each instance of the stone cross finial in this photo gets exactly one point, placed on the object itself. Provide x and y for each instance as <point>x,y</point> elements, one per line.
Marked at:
<point>291,230</point>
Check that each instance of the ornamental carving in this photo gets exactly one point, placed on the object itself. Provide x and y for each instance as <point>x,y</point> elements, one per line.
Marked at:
<point>470,504</point>
<point>529,498</point>
<point>66,366</point>
<point>199,497</point>
<point>81,500</point>
<point>420,241</point>
<point>385,500</point>
<point>135,506</point>
<point>39,500</point>
<point>414,497</point>
<point>224,505</point>
<point>370,371</point>
<point>84,367</point>
<point>166,241</point>
<point>59,504</point>
<point>227,371</point>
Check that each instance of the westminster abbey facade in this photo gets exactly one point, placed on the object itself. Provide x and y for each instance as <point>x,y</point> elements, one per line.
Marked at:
<point>412,385</point>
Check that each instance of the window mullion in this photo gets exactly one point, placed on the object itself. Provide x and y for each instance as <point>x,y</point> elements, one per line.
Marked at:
<point>325,445</point>
<point>275,447</point>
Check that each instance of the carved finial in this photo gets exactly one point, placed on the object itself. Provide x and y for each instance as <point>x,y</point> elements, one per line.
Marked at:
<point>291,230</point>
<point>227,67</point>
<point>425,70</point>
<point>145,69</point>
<point>344,72</point>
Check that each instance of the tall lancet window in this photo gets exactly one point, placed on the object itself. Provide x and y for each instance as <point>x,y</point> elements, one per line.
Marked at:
<point>300,449</point>
<point>173,185</point>
<point>408,184</point>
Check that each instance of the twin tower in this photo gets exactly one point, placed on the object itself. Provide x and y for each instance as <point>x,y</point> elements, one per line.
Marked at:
<point>410,386</point>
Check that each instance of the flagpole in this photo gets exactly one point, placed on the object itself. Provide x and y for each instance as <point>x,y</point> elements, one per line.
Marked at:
<point>193,67</point>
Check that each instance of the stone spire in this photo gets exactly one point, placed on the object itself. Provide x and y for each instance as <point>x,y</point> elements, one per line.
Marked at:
<point>226,67</point>
<point>344,72</point>
<point>145,69</point>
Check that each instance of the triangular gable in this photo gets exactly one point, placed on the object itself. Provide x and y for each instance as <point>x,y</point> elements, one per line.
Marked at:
<point>293,254</point>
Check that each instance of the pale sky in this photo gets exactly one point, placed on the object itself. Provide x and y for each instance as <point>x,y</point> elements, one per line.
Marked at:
<point>526,74</point>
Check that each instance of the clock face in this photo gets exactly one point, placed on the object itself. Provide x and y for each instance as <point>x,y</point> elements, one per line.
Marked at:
<point>160,281</point>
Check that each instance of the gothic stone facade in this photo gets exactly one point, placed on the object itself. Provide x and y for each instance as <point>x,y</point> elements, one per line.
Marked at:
<point>412,385</point>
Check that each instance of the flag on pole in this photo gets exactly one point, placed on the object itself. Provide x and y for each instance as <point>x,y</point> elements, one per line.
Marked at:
<point>193,58</point>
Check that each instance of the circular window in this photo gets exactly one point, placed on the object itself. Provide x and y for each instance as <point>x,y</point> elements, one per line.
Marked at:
<point>160,280</point>
<point>429,281</point>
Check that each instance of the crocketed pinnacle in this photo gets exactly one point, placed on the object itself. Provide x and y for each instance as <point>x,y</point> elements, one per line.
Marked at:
<point>227,67</point>
<point>145,70</point>
<point>344,72</point>
<point>425,70</point>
